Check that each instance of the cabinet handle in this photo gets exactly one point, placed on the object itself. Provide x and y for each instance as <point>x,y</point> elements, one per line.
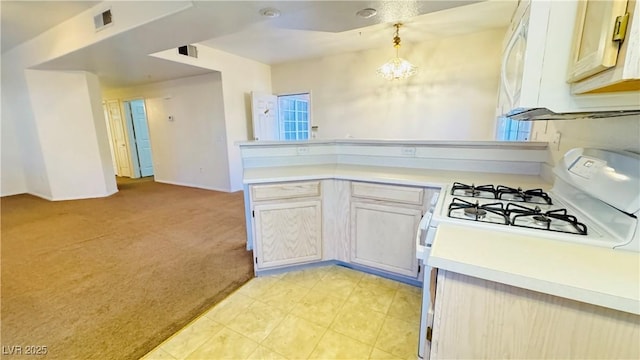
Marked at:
<point>429,333</point>
<point>620,27</point>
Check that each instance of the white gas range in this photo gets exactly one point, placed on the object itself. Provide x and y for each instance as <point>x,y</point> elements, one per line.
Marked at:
<point>595,200</point>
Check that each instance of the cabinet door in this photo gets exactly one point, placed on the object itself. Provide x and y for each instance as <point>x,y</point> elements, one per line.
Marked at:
<point>480,319</point>
<point>594,48</point>
<point>288,233</point>
<point>383,237</point>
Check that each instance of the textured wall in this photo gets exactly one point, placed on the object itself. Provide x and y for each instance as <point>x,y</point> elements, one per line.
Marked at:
<point>453,97</point>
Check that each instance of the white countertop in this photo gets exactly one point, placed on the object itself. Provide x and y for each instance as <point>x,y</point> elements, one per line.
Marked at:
<point>379,142</point>
<point>391,175</point>
<point>595,275</point>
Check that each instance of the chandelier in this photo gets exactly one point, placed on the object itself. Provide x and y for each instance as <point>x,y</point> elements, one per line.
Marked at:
<point>397,68</point>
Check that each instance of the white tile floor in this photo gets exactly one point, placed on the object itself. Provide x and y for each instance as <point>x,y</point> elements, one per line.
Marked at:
<point>321,313</point>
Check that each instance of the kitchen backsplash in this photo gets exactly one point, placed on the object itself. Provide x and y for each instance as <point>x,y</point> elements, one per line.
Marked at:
<point>620,133</point>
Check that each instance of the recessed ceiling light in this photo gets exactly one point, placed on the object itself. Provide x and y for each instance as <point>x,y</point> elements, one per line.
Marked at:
<point>367,13</point>
<point>270,12</point>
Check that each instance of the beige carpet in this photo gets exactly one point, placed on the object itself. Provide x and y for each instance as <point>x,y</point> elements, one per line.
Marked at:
<point>112,278</point>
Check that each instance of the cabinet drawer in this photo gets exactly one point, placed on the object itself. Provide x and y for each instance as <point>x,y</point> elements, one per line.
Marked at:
<point>402,194</point>
<point>285,190</point>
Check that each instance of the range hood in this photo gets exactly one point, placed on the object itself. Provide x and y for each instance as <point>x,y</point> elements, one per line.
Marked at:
<point>546,114</point>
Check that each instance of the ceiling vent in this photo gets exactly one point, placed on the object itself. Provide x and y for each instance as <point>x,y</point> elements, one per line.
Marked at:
<point>103,19</point>
<point>188,50</point>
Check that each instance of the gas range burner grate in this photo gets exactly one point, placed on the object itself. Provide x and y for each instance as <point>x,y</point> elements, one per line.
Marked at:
<point>476,212</point>
<point>536,196</point>
<point>553,220</point>
<point>482,191</point>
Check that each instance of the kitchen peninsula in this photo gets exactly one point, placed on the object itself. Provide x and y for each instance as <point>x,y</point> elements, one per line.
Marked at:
<point>327,184</point>
<point>341,200</point>
<point>358,203</point>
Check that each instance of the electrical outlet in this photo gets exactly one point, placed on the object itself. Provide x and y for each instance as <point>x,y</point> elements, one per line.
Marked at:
<point>556,140</point>
<point>408,151</point>
<point>302,150</point>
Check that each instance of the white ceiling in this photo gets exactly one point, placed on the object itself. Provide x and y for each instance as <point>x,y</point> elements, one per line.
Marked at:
<point>305,29</point>
<point>271,44</point>
<point>23,20</point>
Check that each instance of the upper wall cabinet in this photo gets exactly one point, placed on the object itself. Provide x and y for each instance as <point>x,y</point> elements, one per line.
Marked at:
<point>606,49</point>
<point>537,53</point>
<point>595,47</point>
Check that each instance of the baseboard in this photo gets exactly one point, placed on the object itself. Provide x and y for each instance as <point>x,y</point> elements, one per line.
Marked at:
<point>66,198</point>
<point>384,274</point>
<point>190,185</point>
<point>365,269</point>
<point>46,197</point>
<point>290,268</point>
<point>13,193</point>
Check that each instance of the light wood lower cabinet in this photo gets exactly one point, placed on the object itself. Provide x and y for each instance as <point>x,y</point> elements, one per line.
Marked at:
<point>287,223</point>
<point>480,319</point>
<point>288,233</point>
<point>383,237</point>
<point>363,223</point>
<point>384,221</point>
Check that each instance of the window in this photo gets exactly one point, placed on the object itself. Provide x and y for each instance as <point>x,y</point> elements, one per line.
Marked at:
<point>294,116</point>
<point>513,130</point>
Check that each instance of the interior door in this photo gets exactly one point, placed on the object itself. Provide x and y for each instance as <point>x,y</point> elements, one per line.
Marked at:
<point>110,135</point>
<point>119,138</point>
<point>264,111</point>
<point>141,132</point>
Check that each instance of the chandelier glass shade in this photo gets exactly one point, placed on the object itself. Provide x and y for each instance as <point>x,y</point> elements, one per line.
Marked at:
<point>397,68</point>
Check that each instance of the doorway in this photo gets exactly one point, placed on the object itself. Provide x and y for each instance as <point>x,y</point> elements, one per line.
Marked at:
<point>141,155</point>
<point>281,117</point>
<point>118,138</point>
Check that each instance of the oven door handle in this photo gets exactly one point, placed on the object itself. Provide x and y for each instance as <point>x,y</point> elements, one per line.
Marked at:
<point>421,250</point>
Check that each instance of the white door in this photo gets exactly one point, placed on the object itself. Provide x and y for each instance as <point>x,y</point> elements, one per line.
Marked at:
<point>119,138</point>
<point>141,135</point>
<point>264,111</point>
<point>110,135</point>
